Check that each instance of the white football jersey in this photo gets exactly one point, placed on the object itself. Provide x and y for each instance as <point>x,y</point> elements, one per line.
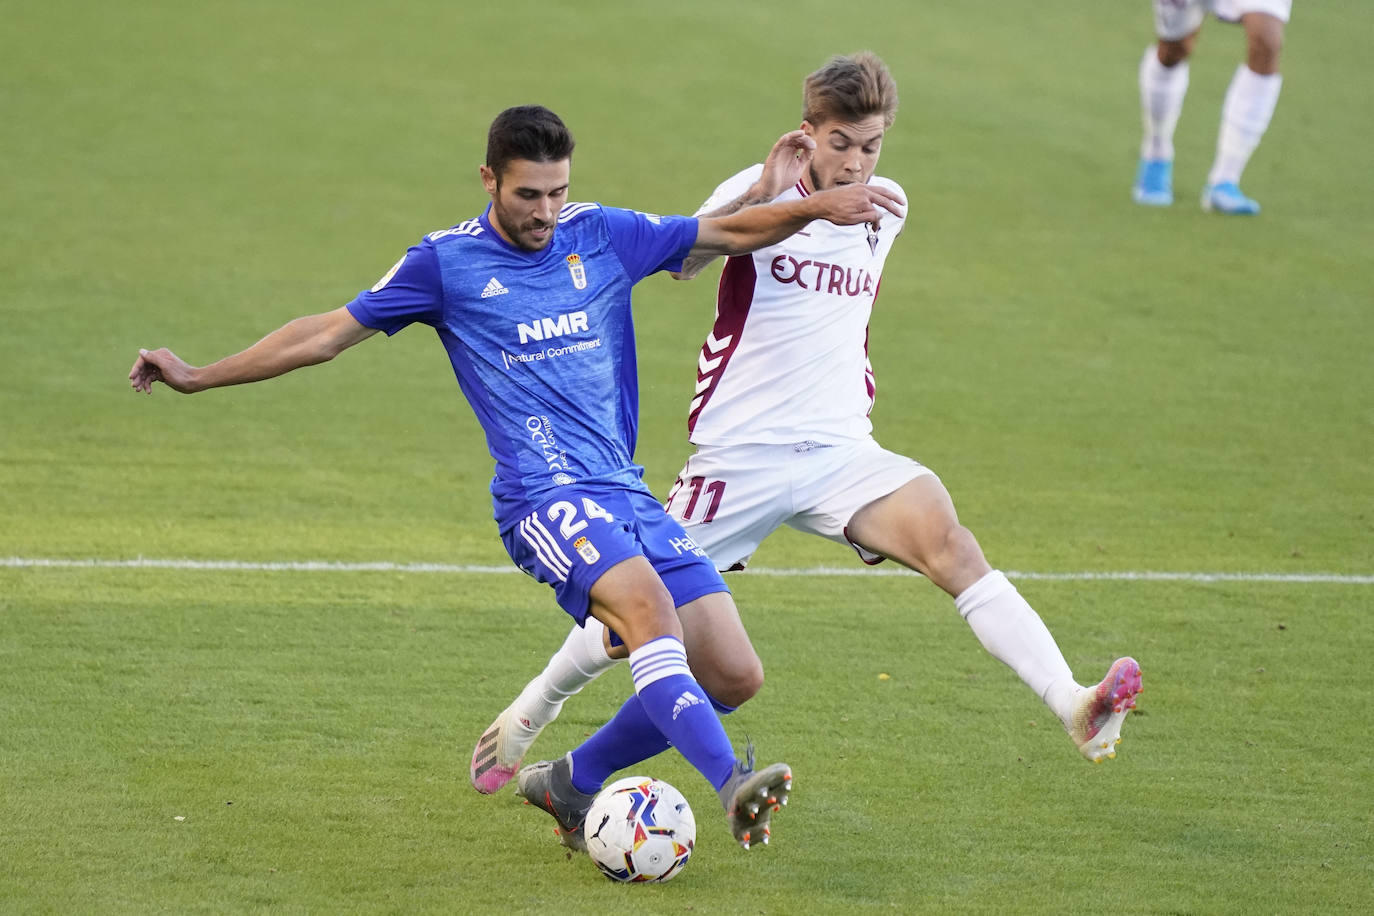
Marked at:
<point>787,358</point>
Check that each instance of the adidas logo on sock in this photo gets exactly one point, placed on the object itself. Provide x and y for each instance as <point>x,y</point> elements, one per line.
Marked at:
<point>687,699</point>
<point>494,288</point>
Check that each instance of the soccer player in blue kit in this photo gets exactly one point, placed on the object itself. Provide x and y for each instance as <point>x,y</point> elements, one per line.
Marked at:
<point>532,302</point>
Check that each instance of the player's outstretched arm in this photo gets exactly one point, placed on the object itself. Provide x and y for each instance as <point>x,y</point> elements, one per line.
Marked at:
<point>303,342</point>
<point>786,163</point>
<point>758,227</point>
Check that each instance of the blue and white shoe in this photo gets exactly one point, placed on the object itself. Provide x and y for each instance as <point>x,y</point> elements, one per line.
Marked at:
<point>1226,197</point>
<point>1154,183</point>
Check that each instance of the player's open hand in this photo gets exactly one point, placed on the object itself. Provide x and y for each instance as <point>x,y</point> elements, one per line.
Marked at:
<point>786,163</point>
<point>852,204</point>
<point>161,366</point>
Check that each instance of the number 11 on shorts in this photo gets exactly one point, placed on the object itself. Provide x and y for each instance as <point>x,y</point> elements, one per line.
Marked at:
<point>696,486</point>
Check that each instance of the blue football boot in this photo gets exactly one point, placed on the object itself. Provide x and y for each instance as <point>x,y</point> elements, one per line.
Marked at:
<point>1154,183</point>
<point>1226,197</point>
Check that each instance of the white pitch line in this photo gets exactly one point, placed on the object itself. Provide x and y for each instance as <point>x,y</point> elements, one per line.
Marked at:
<point>809,572</point>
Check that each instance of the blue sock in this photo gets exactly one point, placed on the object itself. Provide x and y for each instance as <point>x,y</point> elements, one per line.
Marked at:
<point>675,703</point>
<point>627,739</point>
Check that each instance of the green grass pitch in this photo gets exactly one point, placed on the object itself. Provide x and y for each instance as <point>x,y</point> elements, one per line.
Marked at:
<point>1105,389</point>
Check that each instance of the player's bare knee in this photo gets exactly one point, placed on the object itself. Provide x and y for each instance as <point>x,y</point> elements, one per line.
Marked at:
<point>960,563</point>
<point>737,683</point>
<point>1263,52</point>
<point>641,618</point>
<point>1173,53</point>
<point>1264,42</point>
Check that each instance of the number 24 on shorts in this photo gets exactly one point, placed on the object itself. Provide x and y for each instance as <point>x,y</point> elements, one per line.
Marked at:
<point>565,513</point>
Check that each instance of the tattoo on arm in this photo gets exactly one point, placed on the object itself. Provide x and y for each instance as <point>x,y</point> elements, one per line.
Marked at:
<point>694,264</point>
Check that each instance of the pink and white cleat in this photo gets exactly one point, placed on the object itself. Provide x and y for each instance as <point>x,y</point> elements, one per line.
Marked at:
<point>497,756</point>
<point>1100,710</point>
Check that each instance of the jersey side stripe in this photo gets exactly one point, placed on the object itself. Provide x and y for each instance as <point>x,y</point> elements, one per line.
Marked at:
<point>870,380</point>
<point>545,547</point>
<point>541,551</point>
<point>871,377</point>
<point>737,284</point>
<point>557,558</point>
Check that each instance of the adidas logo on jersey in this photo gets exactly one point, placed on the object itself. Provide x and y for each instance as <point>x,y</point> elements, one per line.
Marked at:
<point>494,288</point>
<point>688,699</point>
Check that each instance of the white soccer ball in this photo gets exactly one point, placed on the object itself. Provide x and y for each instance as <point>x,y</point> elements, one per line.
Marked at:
<point>640,829</point>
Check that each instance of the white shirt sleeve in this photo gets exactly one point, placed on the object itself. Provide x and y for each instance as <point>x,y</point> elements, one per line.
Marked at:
<point>730,188</point>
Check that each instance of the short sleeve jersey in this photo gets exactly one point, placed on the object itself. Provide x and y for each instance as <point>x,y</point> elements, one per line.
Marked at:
<point>542,342</point>
<point>787,357</point>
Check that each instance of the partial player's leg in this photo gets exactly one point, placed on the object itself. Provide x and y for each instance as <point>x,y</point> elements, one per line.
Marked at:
<point>669,706</point>
<point>1163,79</point>
<point>917,526</point>
<point>1248,109</point>
<point>583,657</point>
<point>749,796</point>
<point>638,598</point>
<point>718,648</point>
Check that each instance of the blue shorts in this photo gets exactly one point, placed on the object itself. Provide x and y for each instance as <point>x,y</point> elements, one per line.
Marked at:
<point>571,540</point>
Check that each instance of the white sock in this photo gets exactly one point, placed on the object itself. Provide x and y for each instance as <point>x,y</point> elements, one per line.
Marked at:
<point>580,660</point>
<point>1161,102</point>
<point>1245,116</point>
<point>1014,634</point>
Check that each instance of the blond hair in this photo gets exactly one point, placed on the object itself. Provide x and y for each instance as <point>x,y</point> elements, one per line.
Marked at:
<point>850,87</point>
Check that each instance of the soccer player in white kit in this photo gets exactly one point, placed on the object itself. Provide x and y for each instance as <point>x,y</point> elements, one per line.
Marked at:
<point>780,423</point>
<point>1245,114</point>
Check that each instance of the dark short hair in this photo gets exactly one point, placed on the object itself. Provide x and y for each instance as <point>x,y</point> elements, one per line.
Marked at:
<point>527,132</point>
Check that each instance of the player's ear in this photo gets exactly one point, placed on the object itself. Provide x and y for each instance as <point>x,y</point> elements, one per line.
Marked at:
<point>488,179</point>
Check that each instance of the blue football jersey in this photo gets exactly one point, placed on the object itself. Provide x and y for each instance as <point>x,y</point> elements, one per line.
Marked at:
<point>542,342</point>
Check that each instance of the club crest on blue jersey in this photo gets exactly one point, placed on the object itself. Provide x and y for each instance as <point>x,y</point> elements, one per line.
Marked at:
<point>587,550</point>
<point>578,272</point>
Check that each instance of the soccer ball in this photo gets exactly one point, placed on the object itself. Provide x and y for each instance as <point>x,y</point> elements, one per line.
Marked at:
<point>640,829</point>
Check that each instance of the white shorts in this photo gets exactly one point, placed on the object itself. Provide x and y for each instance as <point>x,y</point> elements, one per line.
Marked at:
<point>730,498</point>
<point>1177,19</point>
